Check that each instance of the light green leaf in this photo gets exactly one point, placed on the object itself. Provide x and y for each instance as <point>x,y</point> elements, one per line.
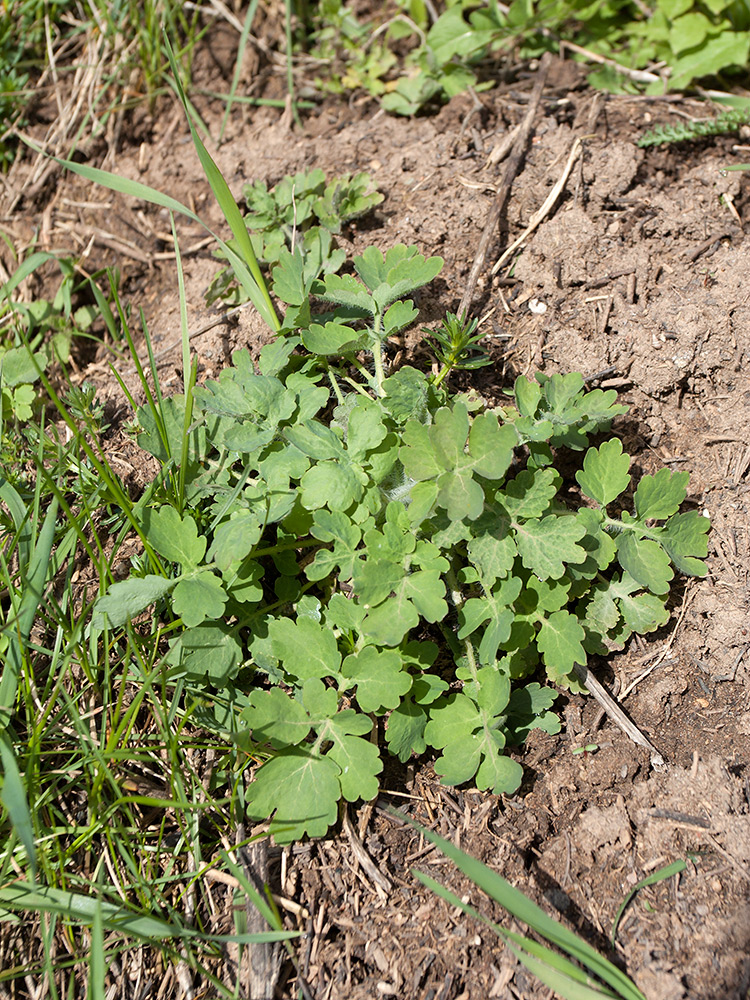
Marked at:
<point>17,365</point>
<point>365,430</point>
<point>126,599</point>
<point>546,545</point>
<point>684,538</point>
<point>688,31</point>
<point>208,653</point>
<point>405,732</point>
<point>331,484</point>
<point>360,764</point>
<point>530,493</point>
<point>380,680</point>
<point>174,537</point>
<point>276,718</point>
<point>315,439</point>
<point>499,773</point>
<point>333,338</point>
<point>646,562</point>
<point>304,647</point>
<point>560,643</point>
<point>491,446</point>
<point>605,472</point>
<point>493,552</point>
<point>659,496</point>
<point>336,527</point>
<point>300,790</point>
<point>234,539</point>
<point>197,598</point>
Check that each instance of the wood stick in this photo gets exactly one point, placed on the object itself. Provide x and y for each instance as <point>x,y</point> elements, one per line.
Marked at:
<point>511,169</point>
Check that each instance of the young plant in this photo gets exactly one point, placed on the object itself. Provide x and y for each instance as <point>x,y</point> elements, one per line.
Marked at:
<point>301,211</point>
<point>384,551</point>
<point>454,340</point>
<point>348,543</point>
<point>727,121</point>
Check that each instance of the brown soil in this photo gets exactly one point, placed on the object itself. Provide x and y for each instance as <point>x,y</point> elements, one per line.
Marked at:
<point>641,273</point>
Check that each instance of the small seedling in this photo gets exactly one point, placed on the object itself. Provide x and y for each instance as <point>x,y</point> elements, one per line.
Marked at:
<point>589,748</point>
<point>453,342</point>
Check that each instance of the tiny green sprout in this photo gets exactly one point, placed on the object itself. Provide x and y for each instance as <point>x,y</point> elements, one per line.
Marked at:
<point>452,344</point>
<point>589,748</point>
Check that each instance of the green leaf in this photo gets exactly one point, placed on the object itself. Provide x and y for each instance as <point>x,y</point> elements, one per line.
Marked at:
<point>333,484</point>
<point>688,31</point>
<point>546,545</point>
<point>380,680</point>
<point>333,338</point>
<point>197,598</point>
<point>234,539</point>
<point>643,612</point>
<point>530,493</point>
<point>276,718</point>
<point>405,732</point>
<point>19,365</point>
<point>684,538</point>
<point>365,429</point>
<point>406,393</point>
<point>560,643</point>
<point>646,561</point>
<point>398,317</point>
<point>301,790</point>
<point>659,496</point>
<point>491,446</point>
<point>418,455</point>
<point>498,772</point>
<point>316,440</point>
<point>360,764</point>
<point>304,647</point>
<point>208,653</point>
<point>174,537</point>
<point>345,290</point>
<point>126,599</point>
<point>336,527</point>
<point>494,551</point>
<point>605,472</point>
<point>528,395</point>
<point>15,802</point>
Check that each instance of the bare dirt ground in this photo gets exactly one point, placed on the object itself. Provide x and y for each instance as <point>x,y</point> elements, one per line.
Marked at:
<point>639,280</point>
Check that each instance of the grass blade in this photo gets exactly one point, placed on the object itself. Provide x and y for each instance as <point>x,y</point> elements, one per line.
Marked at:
<point>246,28</point>
<point>528,912</point>
<point>666,872</point>
<point>135,189</point>
<point>228,206</point>
<point>33,588</point>
<point>13,797</point>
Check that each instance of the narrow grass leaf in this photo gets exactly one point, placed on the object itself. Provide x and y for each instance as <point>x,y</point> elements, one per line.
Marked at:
<point>228,206</point>
<point>666,872</point>
<point>21,896</point>
<point>19,633</point>
<point>524,909</point>
<point>246,28</point>
<point>97,962</point>
<point>135,189</point>
<point>13,797</point>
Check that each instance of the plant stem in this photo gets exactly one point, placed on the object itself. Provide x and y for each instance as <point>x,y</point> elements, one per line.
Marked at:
<point>377,354</point>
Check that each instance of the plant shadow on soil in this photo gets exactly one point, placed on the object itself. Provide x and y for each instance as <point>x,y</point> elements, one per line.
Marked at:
<point>613,266</point>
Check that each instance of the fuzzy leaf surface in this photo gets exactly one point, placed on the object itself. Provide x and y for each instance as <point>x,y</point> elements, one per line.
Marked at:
<point>605,472</point>
<point>659,496</point>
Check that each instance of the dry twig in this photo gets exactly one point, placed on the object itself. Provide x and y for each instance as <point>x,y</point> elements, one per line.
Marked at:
<point>511,169</point>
